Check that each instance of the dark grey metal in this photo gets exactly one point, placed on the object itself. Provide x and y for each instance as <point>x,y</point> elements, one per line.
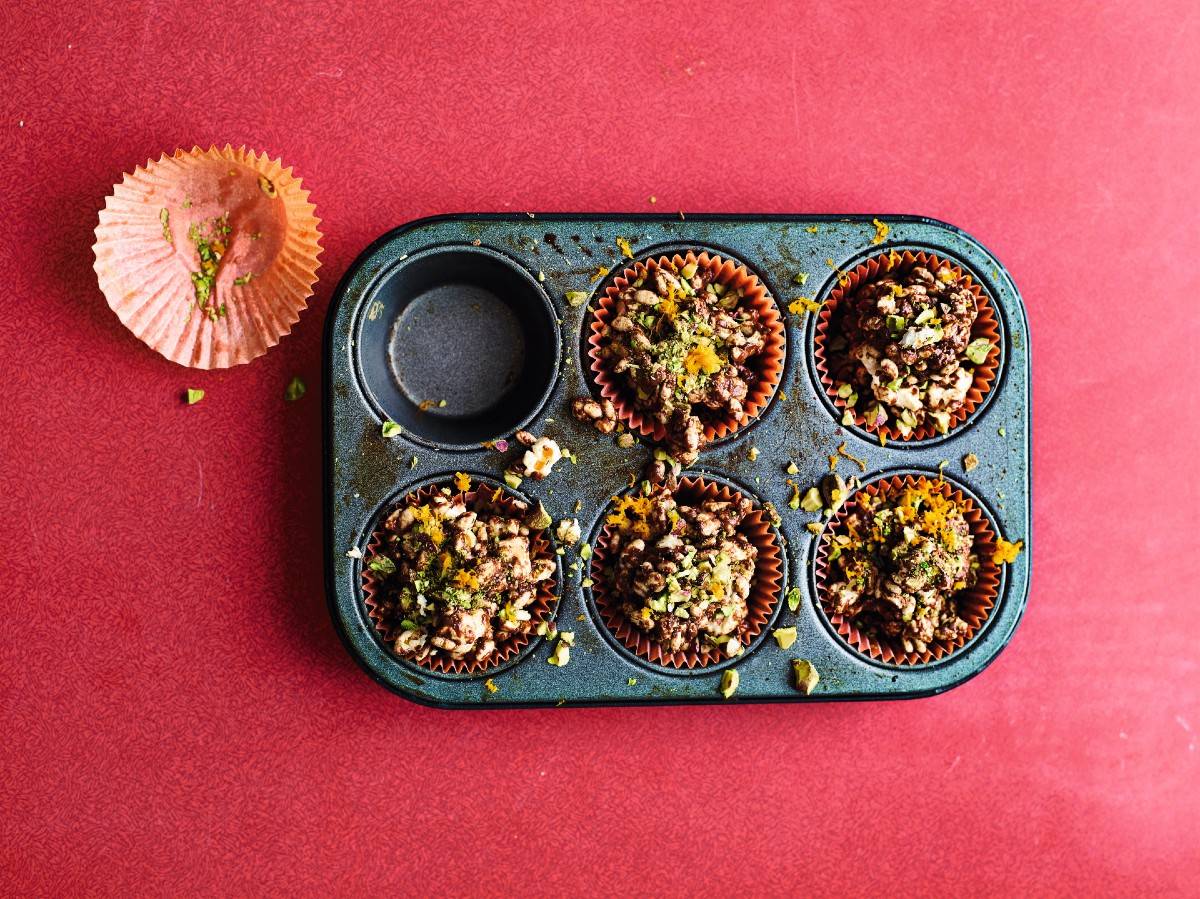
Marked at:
<point>438,267</point>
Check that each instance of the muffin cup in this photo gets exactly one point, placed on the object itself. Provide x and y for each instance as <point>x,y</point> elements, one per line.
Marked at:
<point>975,604</point>
<point>542,608</point>
<point>986,325</point>
<point>767,365</point>
<point>146,255</point>
<point>765,593</point>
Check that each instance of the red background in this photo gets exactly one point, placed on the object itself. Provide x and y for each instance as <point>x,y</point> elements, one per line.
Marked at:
<point>177,712</point>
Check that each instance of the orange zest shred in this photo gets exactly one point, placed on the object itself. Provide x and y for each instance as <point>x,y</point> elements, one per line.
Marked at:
<point>629,515</point>
<point>599,273</point>
<point>466,580</point>
<point>1007,552</point>
<point>702,358</point>
<point>462,481</point>
<point>623,246</point>
<point>881,231</point>
<point>800,305</point>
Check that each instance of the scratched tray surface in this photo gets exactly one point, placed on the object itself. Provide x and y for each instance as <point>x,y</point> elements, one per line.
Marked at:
<point>500,344</point>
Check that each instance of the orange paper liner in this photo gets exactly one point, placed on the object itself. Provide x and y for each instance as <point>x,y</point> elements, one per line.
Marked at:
<point>767,365</point>
<point>146,277</point>
<point>975,604</point>
<point>985,325</point>
<point>764,593</point>
<point>541,609</point>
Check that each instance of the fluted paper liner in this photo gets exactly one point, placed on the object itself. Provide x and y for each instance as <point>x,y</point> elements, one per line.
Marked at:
<point>985,325</point>
<point>760,604</point>
<point>975,604</point>
<point>541,609</point>
<point>145,256</point>
<point>767,365</point>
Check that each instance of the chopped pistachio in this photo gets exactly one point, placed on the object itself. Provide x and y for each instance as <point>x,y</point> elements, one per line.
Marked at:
<point>977,350</point>
<point>729,682</point>
<point>295,390</point>
<point>561,654</point>
<point>512,480</point>
<point>793,598</point>
<point>970,461</point>
<point>540,520</point>
<point>792,469</point>
<point>811,501</point>
<point>586,582</point>
<point>541,275</point>
<point>806,675</point>
<point>689,270</point>
<point>844,390</point>
<point>625,440</point>
<point>194,395</point>
<point>382,565</point>
<point>1000,431</point>
<point>814,527</point>
<point>800,278</point>
<point>631,681</point>
<point>752,455</point>
<point>441,404</point>
<point>165,217</point>
<point>391,429</point>
<point>413,463</point>
<point>576,297</point>
<point>785,636</point>
<point>585,551</point>
<point>567,637</point>
<point>896,322</point>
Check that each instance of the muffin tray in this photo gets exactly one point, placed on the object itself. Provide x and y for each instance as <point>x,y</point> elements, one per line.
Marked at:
<point>457,328</point>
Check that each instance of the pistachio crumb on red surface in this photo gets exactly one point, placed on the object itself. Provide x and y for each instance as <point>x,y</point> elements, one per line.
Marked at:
<point>456,580</point>
<point>681,343</point>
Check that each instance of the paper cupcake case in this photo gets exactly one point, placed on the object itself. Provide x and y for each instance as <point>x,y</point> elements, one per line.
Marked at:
<point>541,610</point>
<point>767,365</point>
<point>882,265</point>
<point>530,264</point>
<point>762,603</point>
<point>260,232</point>
<point>975,604</point>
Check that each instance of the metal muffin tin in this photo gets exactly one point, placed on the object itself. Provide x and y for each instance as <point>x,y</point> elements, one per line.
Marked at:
<point>470,309</point>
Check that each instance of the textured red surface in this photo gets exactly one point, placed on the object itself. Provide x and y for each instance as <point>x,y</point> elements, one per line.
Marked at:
<point>178,715</point>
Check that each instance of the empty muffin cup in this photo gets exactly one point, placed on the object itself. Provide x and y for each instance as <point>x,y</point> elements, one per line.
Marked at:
<point>459,345</point>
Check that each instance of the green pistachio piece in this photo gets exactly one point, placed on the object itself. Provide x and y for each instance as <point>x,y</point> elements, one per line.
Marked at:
<point>194,395</point>
<point>785,636</point>
<point>806,675</point>
<point>729,682</point>
<point>977,350</point>
<point>390,429</point>
<point>793,598</point>
<point>811,501</point>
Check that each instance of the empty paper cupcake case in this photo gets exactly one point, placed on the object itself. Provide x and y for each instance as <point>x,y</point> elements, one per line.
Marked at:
<point>845,400</point>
